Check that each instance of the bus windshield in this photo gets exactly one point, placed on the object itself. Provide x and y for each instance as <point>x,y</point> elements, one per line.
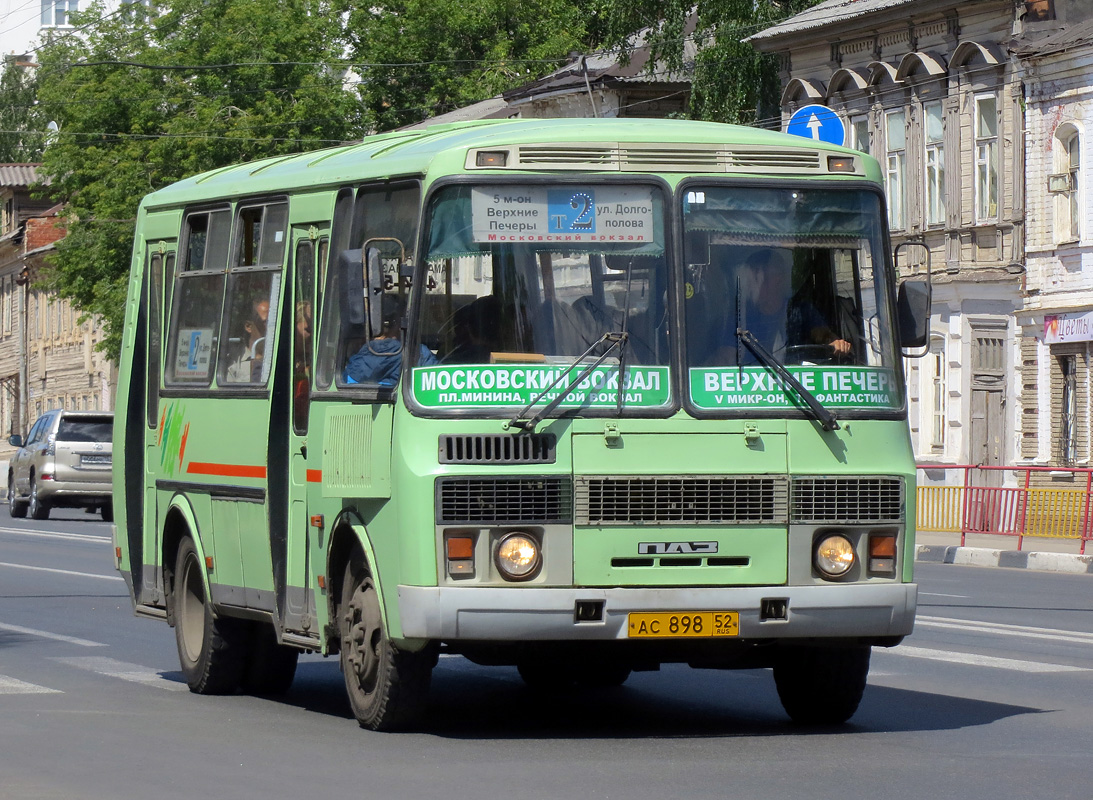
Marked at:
<point>523,282</point>
<point>804,272</point>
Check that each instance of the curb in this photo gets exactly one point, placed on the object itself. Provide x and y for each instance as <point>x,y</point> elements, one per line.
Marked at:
<point>1013,559</point>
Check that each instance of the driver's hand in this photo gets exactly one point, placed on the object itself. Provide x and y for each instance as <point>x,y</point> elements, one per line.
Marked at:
<point>841,346</point>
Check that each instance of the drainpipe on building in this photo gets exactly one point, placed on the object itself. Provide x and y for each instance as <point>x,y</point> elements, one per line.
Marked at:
<point>24,404</point>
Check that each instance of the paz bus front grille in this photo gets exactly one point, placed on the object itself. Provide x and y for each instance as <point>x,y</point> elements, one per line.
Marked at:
<point>488,501</point>
<point>847,500</point>
<point>688,499</point>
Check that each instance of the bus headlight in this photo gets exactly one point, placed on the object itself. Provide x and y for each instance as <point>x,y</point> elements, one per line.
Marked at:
<point>518,556</point>
<point>834,556</point>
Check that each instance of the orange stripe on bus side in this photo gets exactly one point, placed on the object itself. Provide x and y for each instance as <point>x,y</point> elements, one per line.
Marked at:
<point>225,470</point>
<point>314,476</point>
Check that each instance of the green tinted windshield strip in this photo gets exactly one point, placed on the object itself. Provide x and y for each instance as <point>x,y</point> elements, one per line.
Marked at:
<point>714,389</point>
<point>504,386</point>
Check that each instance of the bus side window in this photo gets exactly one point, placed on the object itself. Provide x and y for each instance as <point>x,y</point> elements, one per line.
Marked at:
<point>198,298</point>
<point>253,290</point>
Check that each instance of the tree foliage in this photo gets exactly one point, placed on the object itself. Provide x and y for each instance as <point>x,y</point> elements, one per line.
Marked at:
<point>421,58</point>
<point>732,81</point>
<point>142,102</point>
<point>22,124</point>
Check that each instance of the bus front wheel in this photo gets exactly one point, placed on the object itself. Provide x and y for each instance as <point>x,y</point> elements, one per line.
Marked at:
<point>388,688</point>
<point>211,651</point>
<point>821,685</point>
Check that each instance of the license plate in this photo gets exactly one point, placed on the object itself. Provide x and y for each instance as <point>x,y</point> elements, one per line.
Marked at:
<point>94,459</point>
<point>690,625</point>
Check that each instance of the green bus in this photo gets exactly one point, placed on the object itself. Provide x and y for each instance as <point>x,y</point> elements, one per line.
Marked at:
<point>581,397</point>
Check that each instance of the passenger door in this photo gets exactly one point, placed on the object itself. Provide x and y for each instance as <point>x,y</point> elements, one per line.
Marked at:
<point>309,254</point>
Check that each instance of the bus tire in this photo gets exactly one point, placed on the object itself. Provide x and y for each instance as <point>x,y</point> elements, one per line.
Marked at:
<point>821,685</point>
<point>211,651</point>
<point>388,688</point>
<point>271,667</point>
<point>16,508</point>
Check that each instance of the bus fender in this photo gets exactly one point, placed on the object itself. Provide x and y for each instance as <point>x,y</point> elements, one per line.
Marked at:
<point>349,530</point>
<point>180,522</point>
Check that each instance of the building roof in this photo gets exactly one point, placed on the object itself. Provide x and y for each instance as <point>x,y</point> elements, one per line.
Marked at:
<point>826,13</point>
<point>1068,38</point>
<point>18,174</point>
<point>607,68</point>
<point>491,108</point>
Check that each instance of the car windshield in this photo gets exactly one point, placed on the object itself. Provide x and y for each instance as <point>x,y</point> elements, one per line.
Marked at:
<point>74,429</point>
<point>522,281</point>
<point>804,271</point>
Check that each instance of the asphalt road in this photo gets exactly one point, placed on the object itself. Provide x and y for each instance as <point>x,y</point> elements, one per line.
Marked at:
<point>992,697</point>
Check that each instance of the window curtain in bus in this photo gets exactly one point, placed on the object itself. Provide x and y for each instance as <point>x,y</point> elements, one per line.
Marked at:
<point>785,217</point>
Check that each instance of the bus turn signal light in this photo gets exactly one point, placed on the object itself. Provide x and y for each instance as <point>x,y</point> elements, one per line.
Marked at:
<point>460,547</point>
<point>882,554</point>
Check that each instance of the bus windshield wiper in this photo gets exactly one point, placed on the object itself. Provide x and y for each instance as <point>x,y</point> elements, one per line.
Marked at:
<point>824,416</point>
<point>616,339</point>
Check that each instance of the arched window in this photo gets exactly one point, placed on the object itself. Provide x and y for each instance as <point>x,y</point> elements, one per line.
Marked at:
<point>1065,183</point>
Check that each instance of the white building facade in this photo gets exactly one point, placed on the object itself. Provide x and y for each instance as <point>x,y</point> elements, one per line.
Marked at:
<point>1055,325</point>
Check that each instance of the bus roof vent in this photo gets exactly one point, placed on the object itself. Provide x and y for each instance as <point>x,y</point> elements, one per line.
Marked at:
<point>562,156</point>
<point>498,448</point>
<point>656,157</point>
<point>847,500</point>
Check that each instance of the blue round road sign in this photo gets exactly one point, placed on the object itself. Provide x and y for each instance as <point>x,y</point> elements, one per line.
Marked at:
<point>817,122</point>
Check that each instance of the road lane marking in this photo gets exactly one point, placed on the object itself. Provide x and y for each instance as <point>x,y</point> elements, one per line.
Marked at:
<point>15,686</point>
<point>47,635</point>
<point>977,626</point>
<point>62,571</point>
<point>975,660</point>
<point>939,594</point>
<point>134,673</point>
<point>80,537</point>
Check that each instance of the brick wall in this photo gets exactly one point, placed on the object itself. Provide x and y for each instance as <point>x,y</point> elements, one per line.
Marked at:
<point>42,231</point>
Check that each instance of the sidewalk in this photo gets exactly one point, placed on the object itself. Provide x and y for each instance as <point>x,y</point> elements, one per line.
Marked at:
<point>984,550</point>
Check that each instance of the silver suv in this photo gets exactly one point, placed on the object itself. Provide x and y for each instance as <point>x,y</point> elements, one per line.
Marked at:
<point>64,461</point>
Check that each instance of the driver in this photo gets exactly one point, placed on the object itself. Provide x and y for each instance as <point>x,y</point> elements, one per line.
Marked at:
<point>770,311</point>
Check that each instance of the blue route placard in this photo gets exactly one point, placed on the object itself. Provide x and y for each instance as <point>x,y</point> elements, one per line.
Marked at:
<point>571,211</point>
<point>818,123</point>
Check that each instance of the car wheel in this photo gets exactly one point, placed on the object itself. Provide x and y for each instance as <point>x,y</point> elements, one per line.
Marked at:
<point>16,508</point>
<point>107,511</point>
<point>39,509</point>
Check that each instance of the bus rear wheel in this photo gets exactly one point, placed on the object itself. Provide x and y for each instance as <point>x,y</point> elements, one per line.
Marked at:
<point>211,651</point>
<point>821,685</point>
<point>387,687</point>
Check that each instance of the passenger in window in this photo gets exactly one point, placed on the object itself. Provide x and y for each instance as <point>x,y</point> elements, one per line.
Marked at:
<point>247,367</point>
<point>301,374</point>
<point>380,359</point>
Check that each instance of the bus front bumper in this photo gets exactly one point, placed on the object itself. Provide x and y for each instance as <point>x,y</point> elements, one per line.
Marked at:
<point>521,614</point>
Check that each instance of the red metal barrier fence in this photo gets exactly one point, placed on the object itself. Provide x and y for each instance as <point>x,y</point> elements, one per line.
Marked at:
<point>974,506</point>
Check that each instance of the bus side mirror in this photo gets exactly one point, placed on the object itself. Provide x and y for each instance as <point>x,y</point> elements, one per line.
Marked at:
<point>913,315</point>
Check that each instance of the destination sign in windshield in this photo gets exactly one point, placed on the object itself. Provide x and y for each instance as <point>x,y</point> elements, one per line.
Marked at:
<point>562,214</point>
